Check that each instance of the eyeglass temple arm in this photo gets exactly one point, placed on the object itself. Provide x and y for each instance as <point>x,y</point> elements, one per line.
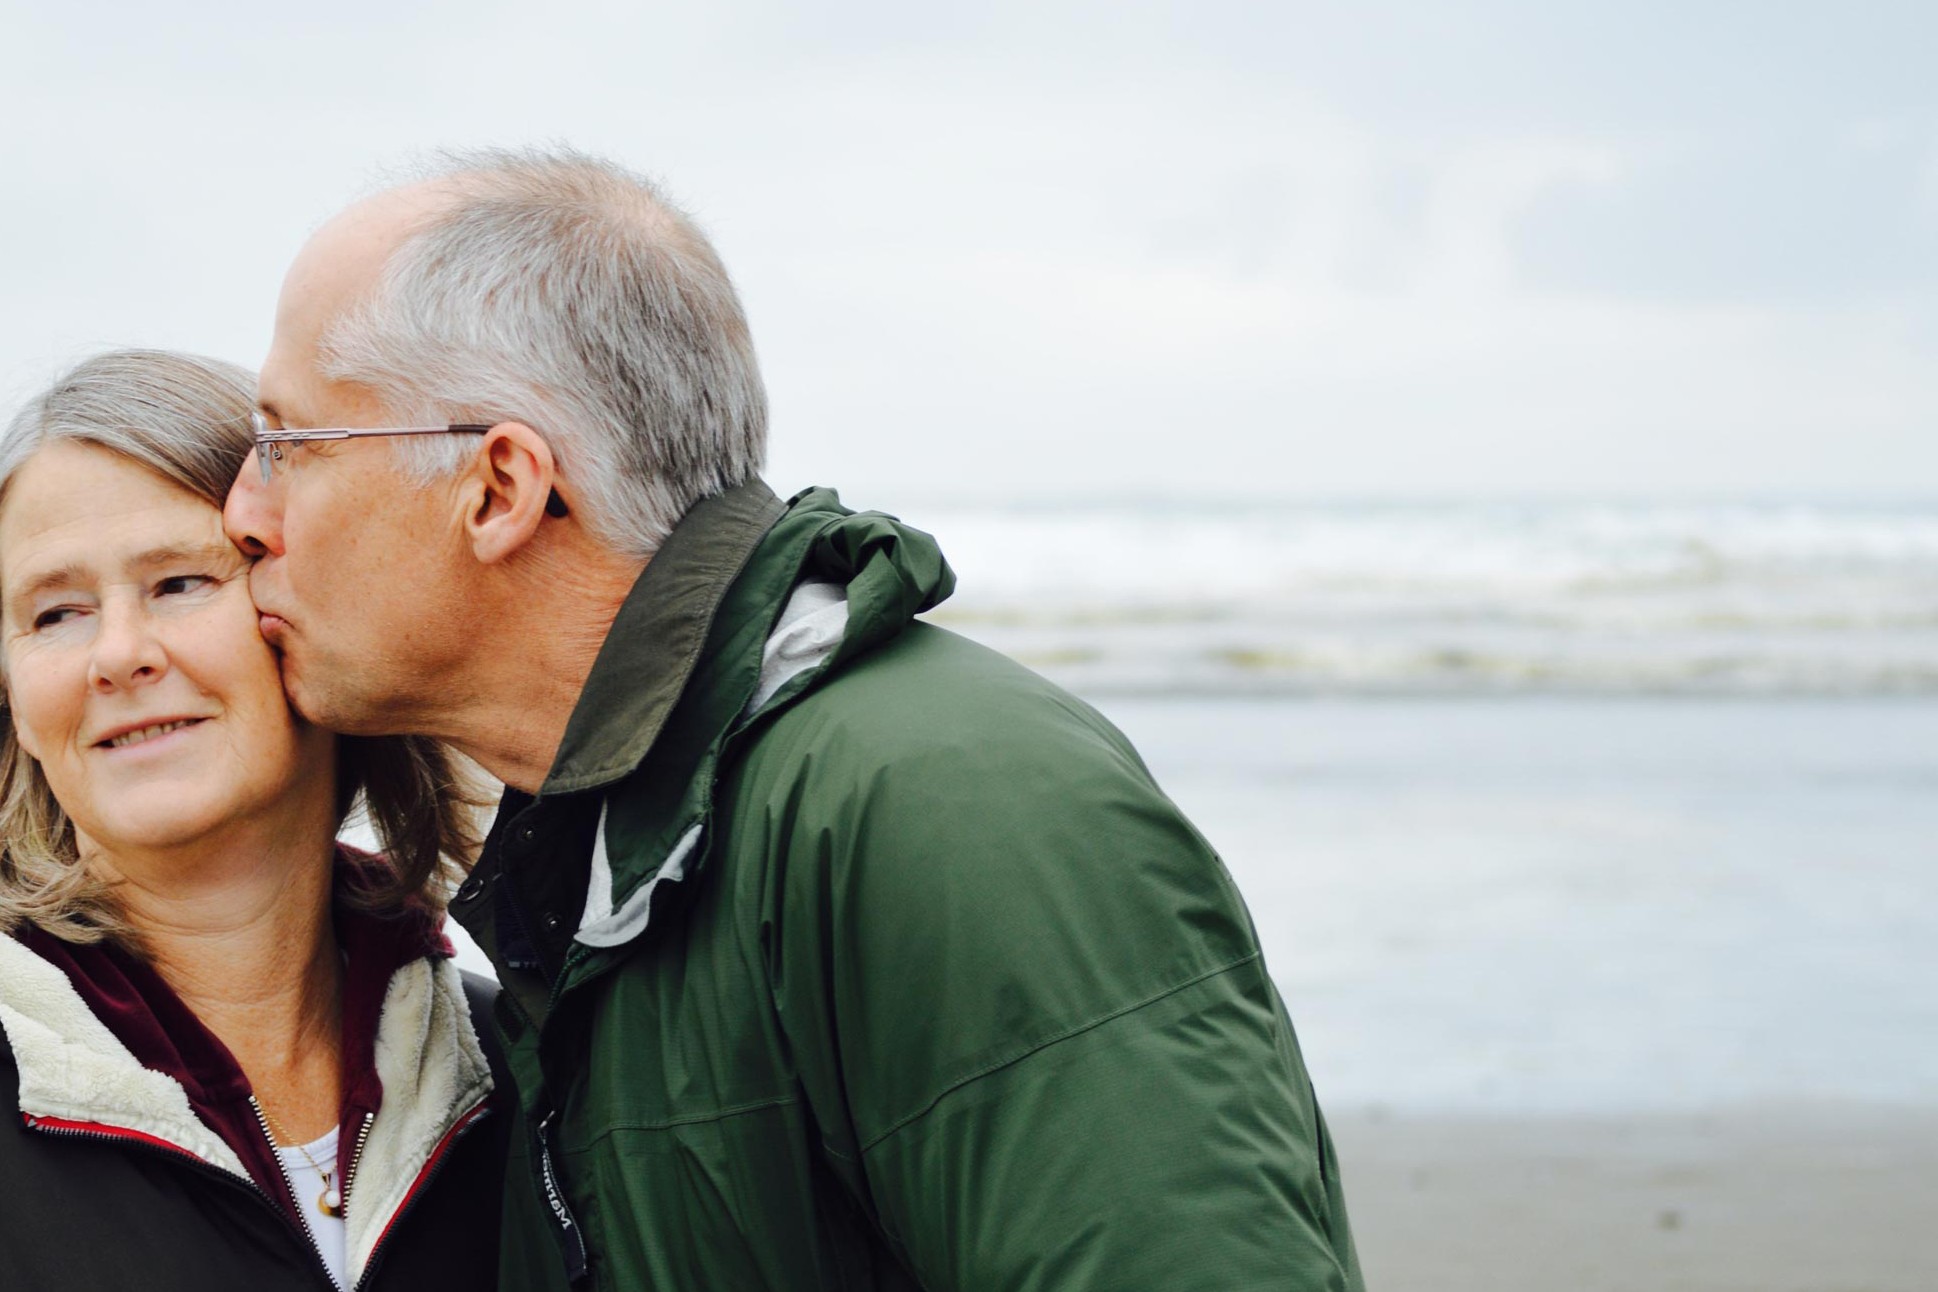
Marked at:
<point>554,505</point>
<point>351,432</point>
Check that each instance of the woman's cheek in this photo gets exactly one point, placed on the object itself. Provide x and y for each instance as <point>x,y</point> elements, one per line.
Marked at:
<point>35,707</point>
<point>241,626</point>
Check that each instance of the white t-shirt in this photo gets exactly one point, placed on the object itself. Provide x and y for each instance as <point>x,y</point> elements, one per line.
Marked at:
<point>307,1184</point>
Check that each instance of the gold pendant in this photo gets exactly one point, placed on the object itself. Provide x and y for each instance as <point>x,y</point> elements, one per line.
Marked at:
<point>329,1203</point>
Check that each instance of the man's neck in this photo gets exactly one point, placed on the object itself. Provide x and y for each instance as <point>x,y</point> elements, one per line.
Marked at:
<point>524,680</point>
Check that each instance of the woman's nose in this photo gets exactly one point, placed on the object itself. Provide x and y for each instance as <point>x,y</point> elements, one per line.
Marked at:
<point>126,650</point>
<point>253,515</point>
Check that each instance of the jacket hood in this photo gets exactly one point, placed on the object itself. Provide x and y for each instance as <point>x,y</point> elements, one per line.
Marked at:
<point>731,561</point>
<point>889,572</point>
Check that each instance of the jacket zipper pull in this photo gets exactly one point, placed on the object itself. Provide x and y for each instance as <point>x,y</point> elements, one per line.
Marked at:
<point>571,1237</point>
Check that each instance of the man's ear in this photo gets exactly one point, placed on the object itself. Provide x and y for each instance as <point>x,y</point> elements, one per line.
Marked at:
<point>513,476</point>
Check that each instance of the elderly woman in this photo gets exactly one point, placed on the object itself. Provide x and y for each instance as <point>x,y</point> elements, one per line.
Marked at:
<point>240,1054</point>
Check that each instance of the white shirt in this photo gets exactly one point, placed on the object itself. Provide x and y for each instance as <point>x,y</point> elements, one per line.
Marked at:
<point>306,1182</point>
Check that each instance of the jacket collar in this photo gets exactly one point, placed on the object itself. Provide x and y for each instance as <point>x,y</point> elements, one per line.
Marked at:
<point>840,582</point>
<point>655,641</point>
<point>104,1045</point>
<point>76,1073</point>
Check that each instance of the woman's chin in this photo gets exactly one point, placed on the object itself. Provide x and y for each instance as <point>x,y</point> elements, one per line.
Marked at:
<point>169,817</point>
<point>133,830</point>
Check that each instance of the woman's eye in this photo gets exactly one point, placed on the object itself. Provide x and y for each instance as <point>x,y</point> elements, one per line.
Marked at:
<point>51,618</point>
<point>176,584</point>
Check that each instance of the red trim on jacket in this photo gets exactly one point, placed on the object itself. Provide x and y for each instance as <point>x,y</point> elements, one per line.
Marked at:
<point>68,1124</point>
<point>144,1014</point>
<point>430,1163</point>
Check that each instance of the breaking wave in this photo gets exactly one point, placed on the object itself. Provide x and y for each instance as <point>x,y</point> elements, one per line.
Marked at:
<point>1455,597</point>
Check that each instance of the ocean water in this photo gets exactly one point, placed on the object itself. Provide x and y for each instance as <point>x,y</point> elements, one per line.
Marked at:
<point>1442,598</point>
<point>1538,808</point>
<point>1542,807</point>
<point>1561,904</point>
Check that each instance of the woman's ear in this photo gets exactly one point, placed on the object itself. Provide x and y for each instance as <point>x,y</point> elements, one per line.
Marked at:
<point>512,489</point>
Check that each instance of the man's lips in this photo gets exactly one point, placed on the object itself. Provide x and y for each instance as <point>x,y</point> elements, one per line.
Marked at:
<point>272,627</point>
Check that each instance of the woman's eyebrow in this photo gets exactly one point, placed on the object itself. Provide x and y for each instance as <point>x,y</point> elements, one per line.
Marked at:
<point>215,552</point>
<point>53,576</point>
<point>170,554</point>
<point>58,576</point>
<point>70,573</point>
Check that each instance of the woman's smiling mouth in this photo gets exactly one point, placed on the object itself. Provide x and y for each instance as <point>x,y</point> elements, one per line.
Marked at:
<point>139,735</point>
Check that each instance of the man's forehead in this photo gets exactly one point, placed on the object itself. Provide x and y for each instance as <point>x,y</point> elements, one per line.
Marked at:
<point>342,260</point>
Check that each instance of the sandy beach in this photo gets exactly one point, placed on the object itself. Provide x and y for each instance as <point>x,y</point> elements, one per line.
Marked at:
<point>1791,1200</point>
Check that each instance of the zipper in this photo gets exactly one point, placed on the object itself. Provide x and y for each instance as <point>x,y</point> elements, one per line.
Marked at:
<point>316,1249</point>
<point>63,1129</point>
<point>439,1156</point>
<point>356,1157</point>
<point>571,1237</point>
<point>570,1234</point>
<point>85,1131</point>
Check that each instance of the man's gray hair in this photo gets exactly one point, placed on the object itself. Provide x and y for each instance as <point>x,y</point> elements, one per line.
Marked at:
<point>562,291</point>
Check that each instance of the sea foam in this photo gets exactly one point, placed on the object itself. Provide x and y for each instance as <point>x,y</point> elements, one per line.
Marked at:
<point>1719,598</point>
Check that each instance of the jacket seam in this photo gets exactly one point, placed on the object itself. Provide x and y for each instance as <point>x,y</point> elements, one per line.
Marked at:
<point>696,1119</point>
<point>1079,1029</point>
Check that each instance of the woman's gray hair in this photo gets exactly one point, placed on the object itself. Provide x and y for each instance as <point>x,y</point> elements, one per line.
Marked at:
<point>562,291</point>
<point>186,418</point>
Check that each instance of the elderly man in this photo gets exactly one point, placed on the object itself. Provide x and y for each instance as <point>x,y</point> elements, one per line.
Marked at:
<point>838,952</point>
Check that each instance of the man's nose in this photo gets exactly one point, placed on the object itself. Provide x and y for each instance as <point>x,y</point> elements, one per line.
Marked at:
<point>253,514</point>
<point>126,650</point>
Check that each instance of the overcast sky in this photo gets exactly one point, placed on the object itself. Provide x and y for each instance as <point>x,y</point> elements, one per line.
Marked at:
<point>1045,249</point>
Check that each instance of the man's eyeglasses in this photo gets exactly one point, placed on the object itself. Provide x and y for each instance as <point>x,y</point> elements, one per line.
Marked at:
<point>270,441</point>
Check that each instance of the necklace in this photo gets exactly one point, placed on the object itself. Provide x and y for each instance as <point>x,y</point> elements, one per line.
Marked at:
<point>330,1201</point>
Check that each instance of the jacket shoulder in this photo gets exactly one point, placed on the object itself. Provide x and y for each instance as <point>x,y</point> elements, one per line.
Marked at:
<point>929,691</point>
<point>933,754</point>
<point>99,1213</point>
<point>940,816</point>
<point>1021,987</point>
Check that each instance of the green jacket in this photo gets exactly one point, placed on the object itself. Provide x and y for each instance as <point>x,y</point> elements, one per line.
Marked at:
<point>906,975</point>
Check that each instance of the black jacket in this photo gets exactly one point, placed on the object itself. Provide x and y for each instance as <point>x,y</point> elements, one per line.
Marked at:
<point>87,1210</point>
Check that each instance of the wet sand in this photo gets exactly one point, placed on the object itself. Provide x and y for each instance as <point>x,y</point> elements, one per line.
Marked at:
<point>1775,1200</point>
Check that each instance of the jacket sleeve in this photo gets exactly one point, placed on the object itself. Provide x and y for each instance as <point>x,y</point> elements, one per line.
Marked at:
<point>1030,1012</point>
